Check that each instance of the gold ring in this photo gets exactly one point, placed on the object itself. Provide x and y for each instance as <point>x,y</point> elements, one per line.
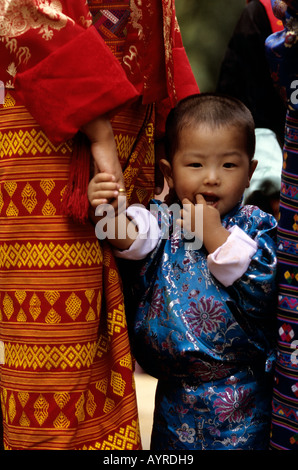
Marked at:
<point>122,190</point>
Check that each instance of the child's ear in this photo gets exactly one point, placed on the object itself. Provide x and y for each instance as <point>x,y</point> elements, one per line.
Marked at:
<point>166,169</point>
<point>252,166</point>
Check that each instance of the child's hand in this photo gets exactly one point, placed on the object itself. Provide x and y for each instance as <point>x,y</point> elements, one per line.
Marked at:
<point>211,216</point>
<point>214,234</point>
<point>102,189</point>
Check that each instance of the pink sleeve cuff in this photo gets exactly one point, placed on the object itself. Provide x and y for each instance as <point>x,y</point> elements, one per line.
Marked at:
<point>149,234</point>
<point>231,260</point>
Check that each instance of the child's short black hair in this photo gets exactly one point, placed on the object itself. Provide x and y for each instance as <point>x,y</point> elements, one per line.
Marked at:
<point>213,110</point>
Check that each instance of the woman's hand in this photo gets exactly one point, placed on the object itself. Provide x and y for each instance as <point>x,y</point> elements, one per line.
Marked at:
<point>103,148</point>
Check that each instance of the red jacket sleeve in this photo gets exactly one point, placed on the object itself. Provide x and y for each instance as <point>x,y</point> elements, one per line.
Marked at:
<point>74,84</point>
<point>74,77</point>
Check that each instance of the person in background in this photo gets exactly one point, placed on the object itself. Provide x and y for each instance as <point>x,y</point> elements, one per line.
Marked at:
<point>87,88</point>
<point>245,74</point>
<point>282,53</point>
<point>205,321</point>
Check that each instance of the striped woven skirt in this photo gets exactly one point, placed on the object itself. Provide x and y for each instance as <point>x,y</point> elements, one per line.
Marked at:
<point>285,399</point>
<point>66,377</point>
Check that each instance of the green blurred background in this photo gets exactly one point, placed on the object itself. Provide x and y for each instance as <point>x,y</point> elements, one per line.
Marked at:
<point>206,27</point>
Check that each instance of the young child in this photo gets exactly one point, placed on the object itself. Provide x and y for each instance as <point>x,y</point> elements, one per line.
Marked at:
<point>205,321</point>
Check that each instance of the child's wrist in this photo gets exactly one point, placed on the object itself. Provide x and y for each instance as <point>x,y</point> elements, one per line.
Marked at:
<point>215,238</point>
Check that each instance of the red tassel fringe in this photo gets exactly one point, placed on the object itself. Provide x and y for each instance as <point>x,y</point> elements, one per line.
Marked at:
<point>75,202</point>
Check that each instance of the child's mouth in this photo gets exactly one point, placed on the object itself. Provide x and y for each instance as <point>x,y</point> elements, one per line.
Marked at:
<point>211,199</point>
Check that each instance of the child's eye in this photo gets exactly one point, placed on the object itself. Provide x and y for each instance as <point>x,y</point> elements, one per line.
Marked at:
<point>229,165</point>
<point>195,165</point>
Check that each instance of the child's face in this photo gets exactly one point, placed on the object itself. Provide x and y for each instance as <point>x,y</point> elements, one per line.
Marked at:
<point>213,163</point>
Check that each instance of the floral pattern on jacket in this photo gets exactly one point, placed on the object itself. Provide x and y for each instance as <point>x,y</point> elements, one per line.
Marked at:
<point>209,346</point>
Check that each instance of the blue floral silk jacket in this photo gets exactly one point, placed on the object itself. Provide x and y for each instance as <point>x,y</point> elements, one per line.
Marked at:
<point>209,346</point>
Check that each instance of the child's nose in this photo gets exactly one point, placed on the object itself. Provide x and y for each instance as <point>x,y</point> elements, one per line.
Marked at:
<point>211,177</point>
